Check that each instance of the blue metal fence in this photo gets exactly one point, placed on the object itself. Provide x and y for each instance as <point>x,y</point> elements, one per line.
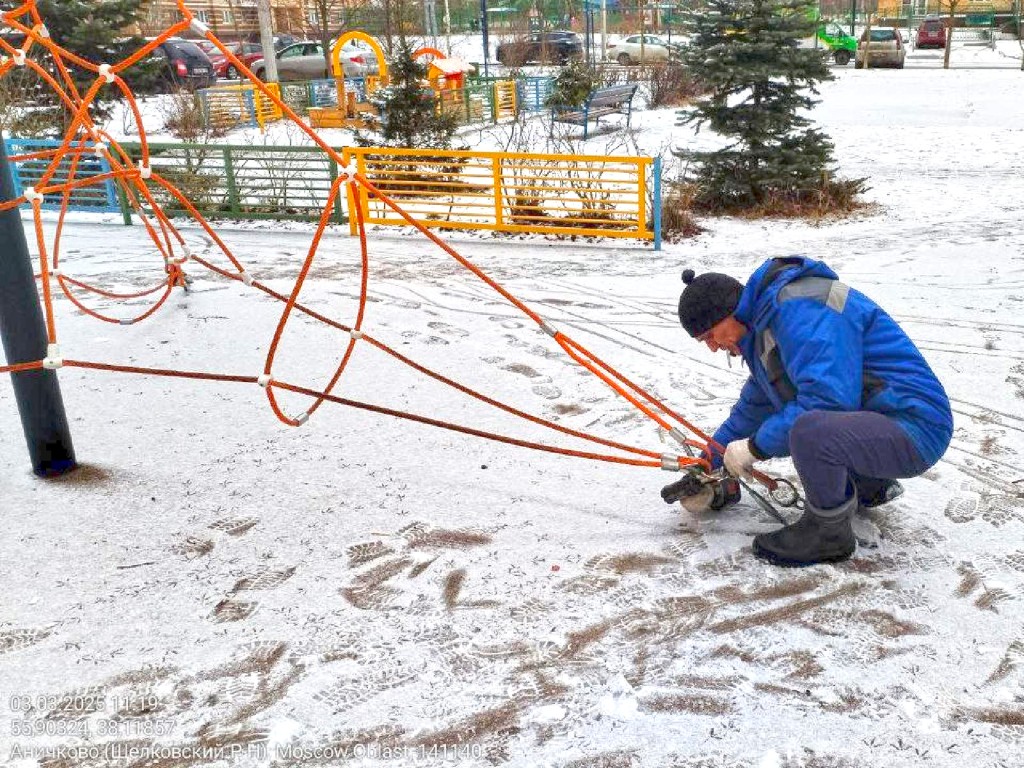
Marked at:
<point>532,93</point>
<point>99,198</point>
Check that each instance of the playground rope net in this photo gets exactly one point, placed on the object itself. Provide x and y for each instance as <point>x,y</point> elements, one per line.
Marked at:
<point>84,138</point>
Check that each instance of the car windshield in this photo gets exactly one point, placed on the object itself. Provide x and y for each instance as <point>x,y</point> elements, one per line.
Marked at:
<point>882,35</point>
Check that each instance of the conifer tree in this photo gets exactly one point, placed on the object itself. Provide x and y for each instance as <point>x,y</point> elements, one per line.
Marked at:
<point>95,30</point>
<point>408,114</point>
<point>760,84</point>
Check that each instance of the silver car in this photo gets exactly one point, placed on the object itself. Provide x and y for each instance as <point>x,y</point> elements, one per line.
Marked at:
<point>636,49</point>
<point>884,49</point>
<point>306,61</point>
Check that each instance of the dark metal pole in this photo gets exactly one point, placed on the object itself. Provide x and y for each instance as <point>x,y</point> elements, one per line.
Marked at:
<point>23,332</point>
<point>483,31</point>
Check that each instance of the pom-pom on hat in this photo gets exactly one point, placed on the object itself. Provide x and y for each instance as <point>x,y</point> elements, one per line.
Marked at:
<point>707,300</point>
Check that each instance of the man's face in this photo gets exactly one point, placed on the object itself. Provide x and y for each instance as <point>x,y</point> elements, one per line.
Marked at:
<point>725,334</point>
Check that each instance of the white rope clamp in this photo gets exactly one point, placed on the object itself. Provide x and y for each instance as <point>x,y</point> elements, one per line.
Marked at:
<point>19,58</point>
<point>302,418</point>
<point>100,149</point>
<point>186,254</point>
<point>126,321</point>
<point>355,334</point>
<point>56,273</point>
<point>105,73</point>
<point>549,329</point>
<point>264,380</point>
<point>31,196</point>
<point>42,31</point>
<point>198,27</point>
<point>145,171</point>
<point>245,277</point>
<point>53,359</point>
<point>669,462</point>
<point>348,173</point>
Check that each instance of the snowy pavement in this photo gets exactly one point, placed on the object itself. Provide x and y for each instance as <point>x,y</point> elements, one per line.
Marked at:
<point>215,589</point>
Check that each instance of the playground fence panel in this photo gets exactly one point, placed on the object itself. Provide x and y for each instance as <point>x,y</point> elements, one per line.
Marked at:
<point>26,171</point>
<point>505,192</point>
<point>588,195</point>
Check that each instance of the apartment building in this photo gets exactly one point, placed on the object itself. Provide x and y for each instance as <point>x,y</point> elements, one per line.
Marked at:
<point>228,18</point>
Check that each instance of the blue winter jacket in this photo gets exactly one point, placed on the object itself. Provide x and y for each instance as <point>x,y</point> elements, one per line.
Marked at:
<point>815,344</point>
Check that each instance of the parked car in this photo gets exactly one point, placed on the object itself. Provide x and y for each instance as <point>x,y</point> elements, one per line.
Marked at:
<point>885,49</point>
<point>283,41</point>
<point>247,52</point>
<point>654,48</point>
<point>931,34</point>
<point>305,61</point>
<point>187,65</point>
<point>359,53</point>
<point>834,37</point>
<point>542,47</point>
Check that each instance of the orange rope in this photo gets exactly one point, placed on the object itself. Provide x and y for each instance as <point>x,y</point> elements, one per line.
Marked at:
<point>80,140</point>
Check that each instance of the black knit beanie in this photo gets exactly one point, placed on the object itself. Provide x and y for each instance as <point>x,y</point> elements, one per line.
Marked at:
<point>707,300</point>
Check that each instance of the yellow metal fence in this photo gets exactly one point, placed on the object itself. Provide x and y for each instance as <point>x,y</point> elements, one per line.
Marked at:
<point>507,192</point>
<point>225,106</point>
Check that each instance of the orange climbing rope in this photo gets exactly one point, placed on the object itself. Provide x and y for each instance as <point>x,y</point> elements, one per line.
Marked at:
<point>138,183</point>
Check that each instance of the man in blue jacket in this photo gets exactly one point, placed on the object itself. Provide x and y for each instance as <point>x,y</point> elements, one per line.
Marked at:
<point>834,382</point>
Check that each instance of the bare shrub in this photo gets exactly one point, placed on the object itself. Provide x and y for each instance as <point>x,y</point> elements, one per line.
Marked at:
<point>184,118</point>
<point>670,85</point>
<point>677,219</point>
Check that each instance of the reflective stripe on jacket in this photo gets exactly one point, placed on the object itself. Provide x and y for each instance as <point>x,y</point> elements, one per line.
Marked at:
<point>816,344</point>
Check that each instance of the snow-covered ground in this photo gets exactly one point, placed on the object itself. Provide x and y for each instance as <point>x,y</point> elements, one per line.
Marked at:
<point>368,591</point>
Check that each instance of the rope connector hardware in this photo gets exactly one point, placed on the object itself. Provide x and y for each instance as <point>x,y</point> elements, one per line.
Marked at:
<point>31,196</point>
<point>100,149</point>
<point>199,27</point>
<point>56,273</point>
<point>677,434</point>
<point>548,328</point>
<point>264,380</point>
<point>186,254</point>
<point>245,277</point>
<point>106,73</point>
<point>42,31</point>
<point>53,359</point>
<point>19,58</point>
<point>669,462</point>
<point>348,173</point>
<point>355,334</point>
<point>145,171</point>
<point>302,418</point>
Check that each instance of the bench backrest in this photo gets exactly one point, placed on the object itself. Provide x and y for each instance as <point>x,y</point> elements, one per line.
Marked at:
<point>615,94</point>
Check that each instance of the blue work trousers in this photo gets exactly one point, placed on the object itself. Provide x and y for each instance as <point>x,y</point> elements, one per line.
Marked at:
<point>831,448</point>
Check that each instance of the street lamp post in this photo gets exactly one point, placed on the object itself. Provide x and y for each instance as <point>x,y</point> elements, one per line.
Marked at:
<point>483,32</point>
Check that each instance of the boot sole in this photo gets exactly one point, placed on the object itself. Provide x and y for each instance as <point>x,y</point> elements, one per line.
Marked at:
<point>784,562</point>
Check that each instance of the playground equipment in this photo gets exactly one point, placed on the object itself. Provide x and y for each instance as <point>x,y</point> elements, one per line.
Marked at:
<point>350,112</point>
<point>444,73</point>
<point>84,138</point>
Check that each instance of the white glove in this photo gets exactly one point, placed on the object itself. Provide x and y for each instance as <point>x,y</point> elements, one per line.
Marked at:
<point>739,460</point>
<point>700,502</point>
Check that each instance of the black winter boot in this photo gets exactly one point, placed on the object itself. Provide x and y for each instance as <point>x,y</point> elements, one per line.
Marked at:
<point>878,492</point>
<point>819,536</point>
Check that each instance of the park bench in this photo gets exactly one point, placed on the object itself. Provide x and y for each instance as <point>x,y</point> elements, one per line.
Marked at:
<point>615,99</point>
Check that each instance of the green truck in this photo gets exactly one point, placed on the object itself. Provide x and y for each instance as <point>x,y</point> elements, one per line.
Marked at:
<point>842,45</point>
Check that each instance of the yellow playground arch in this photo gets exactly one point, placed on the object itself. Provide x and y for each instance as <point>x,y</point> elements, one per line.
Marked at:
<point>355,35</point>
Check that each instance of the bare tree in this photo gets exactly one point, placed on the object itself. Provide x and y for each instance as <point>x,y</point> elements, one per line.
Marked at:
<point>320,24</point>
<point>949,7</point>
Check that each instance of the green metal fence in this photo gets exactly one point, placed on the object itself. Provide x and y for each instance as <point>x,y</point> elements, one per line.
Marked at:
<point>245,182</point>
